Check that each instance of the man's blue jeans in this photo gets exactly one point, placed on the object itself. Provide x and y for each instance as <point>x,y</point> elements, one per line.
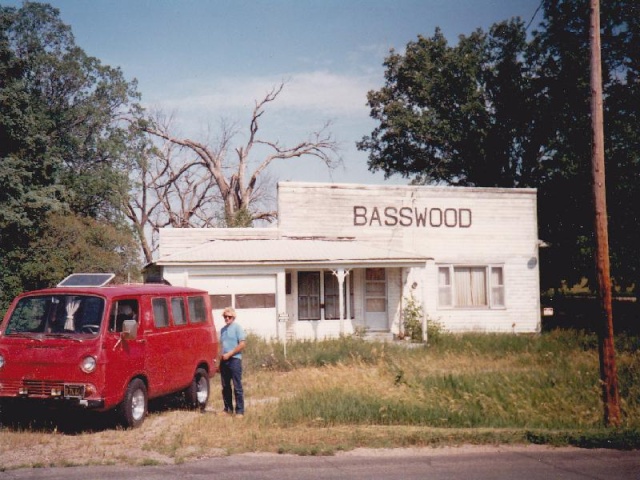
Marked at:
<point>231,373</point>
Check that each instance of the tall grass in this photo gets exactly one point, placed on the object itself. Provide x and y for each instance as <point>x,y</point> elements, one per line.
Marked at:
<point>548,381</point>
<point>263,355</point>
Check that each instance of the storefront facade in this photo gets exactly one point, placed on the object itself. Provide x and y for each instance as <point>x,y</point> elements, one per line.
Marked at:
<point>348,258</point>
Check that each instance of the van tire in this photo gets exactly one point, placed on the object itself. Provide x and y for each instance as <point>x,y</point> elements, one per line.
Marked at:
<point>4,413</point>
<point>135,403</point>
<point>197,394</point>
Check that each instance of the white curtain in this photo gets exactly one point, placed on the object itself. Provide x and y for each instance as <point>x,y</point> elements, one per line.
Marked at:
<point>71,308</point>
<point>471,286</point>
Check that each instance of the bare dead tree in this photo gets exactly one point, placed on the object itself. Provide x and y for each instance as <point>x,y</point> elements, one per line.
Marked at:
<point>170,188</point>
<point>237,187</point>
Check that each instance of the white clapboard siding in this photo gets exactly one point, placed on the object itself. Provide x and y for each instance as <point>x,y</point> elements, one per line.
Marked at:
<point>499,227</point>
<point>420,227</point>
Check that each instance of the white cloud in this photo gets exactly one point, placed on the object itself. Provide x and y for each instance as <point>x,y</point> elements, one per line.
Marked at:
<point>320,92</point>
<point>308,100</point>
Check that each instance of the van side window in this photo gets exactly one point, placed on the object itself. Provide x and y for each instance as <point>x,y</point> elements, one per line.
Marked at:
<point>160,312</point>
<point>122,310</point>
<point>178,311</point>
<point>197,312</point>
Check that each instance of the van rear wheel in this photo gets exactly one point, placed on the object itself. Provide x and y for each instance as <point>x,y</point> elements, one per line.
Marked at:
<point>197,394</point>
<point>134,405</point>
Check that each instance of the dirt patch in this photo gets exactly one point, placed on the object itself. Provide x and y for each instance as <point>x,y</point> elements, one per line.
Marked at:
<point>29,447</point>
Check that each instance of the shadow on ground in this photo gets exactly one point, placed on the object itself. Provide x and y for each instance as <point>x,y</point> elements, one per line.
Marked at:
<point>45,417</point>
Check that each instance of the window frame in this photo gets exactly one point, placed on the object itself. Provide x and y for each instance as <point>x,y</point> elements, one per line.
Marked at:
<point>492,292</point>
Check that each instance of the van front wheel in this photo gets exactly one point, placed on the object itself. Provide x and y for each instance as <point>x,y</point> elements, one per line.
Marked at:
<point>197,394</point>
<point>134,406</point>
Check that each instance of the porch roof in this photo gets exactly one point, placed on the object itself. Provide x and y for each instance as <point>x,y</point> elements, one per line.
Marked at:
<point>291,252</point>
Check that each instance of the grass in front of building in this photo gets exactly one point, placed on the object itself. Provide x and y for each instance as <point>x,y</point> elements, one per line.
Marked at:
<point>470,387</point>
<point>326,396</point>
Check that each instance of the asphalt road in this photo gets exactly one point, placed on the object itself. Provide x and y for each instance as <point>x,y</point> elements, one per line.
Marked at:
<point>469,463</point>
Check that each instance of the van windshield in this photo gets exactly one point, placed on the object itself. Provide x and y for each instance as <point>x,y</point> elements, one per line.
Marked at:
<point>57,315</point>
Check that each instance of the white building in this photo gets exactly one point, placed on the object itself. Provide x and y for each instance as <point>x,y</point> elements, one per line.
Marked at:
<point>469,256</point>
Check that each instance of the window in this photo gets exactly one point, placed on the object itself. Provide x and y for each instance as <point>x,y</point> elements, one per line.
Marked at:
<point>121,310</point>
<point>318,291</point>
<point>256,300</point>
<point>219,302</point>
<point>64,314</point>
<point>444,287</point>
<point>309,295</point>
<point>497,287</point>
<point>287,283</point>
<point>178,311</point>
<point>471,286</point>
<point>160,312</point>
<point>332,296</point>
<point>197,310</point>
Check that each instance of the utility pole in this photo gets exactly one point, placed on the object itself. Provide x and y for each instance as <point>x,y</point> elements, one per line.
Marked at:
<point>608,372</point>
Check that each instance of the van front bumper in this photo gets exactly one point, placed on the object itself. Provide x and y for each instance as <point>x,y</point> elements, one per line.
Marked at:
<point>86,403</point>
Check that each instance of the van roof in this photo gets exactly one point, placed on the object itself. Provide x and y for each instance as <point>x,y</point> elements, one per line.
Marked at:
<point>111,291</point>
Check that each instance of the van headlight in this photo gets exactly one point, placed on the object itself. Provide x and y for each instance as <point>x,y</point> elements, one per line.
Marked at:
<point>88,364</point>
<point>1,360</point>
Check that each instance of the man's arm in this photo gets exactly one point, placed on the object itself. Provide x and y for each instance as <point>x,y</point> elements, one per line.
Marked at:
<point>236,350</point>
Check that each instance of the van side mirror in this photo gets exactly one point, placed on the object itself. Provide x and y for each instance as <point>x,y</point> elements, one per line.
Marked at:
<point>129,329</point>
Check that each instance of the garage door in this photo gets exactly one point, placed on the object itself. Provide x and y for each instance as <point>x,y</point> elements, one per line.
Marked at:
<point>253,297</point>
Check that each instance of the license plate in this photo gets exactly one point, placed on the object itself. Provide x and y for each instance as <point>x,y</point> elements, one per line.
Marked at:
<point>74,391</point>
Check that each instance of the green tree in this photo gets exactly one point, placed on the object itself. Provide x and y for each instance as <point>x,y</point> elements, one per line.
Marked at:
<point>457,114</point>
<point>73,243</point>
<point>61,144</point>
<point>507,109</point>
<point>563,45</point>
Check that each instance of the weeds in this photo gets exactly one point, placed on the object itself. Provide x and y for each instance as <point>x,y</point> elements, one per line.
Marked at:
<point>548,381</point>
<point>412,315</point>
<point>264,355</point>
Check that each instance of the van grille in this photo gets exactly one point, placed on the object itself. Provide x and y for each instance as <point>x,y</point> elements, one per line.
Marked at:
<point>39,388</point>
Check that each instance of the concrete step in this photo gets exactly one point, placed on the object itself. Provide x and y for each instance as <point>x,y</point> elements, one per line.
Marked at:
<point>382,336</point>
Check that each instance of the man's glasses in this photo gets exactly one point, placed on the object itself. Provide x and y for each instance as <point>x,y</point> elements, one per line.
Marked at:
<point>227,316</point>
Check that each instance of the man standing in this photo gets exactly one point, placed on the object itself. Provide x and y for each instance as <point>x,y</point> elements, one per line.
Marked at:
<point>233,341</point>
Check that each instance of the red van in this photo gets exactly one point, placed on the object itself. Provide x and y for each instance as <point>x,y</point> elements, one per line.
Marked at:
<point>97,346</point>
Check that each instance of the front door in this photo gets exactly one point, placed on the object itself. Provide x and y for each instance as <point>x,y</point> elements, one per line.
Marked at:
<point>375,299</point>
<point>125,358</point>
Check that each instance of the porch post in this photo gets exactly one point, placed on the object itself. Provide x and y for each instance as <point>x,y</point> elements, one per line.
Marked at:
<point>281,306</point>
<point>341,274</point>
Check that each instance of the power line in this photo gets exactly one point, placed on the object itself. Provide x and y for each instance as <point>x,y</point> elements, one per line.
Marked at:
<point>534,15</point>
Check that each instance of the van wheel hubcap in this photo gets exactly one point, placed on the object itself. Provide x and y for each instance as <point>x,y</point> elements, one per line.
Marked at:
<point>137,405</point>
<point>202,391</point>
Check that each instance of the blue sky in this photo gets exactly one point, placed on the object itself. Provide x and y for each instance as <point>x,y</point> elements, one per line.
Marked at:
<point>207,60</point>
